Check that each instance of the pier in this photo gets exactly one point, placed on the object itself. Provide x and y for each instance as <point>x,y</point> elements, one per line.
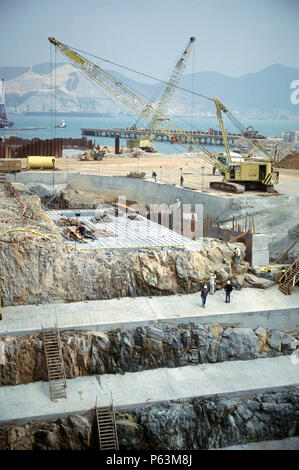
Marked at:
<point>205,138</point>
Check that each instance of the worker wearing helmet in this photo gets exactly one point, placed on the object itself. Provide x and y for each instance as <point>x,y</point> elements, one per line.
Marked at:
<point>204,295</point>
<point>228,290</point>
<point>176,205</point>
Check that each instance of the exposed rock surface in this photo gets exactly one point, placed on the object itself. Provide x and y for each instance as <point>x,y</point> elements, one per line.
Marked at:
<point>70,198</point>
<point>22,358</point>
<point>272,273</point>
<point>292,238</point>
<point>179,425</point>
<point>215,422</point>
<point>39,270</point>
<point>253,281</point>
<point>24,212</point>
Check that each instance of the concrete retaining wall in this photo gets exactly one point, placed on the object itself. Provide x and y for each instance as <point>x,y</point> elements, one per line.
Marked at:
<point>142,191</point>
<point>285,320</point>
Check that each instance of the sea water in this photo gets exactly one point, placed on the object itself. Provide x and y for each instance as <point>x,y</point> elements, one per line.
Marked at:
<point>267,127</point>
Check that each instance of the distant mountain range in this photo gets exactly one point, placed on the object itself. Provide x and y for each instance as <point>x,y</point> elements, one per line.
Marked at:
<point>267,91</point>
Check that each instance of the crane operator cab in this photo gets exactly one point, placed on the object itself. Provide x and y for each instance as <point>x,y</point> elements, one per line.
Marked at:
<point>252,175</point>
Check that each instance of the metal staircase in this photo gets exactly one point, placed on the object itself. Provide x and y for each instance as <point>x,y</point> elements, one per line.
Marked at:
<point>289,278</point>
<point>107,428</point>
<point>2,184</point>
<point>55,365</point>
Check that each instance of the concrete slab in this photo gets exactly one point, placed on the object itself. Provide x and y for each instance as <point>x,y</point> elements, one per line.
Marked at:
<point>22,403</point>
<point>249,308</point>
<point>123,232</point>
<point>291,443</point>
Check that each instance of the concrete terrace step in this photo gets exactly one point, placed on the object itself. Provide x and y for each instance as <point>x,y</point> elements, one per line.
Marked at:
<point>21,403</point>
<point>249,307</point>
<point>291,443</point>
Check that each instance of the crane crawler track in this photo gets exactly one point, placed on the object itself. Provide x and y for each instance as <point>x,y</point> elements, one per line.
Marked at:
<point>228,187</point>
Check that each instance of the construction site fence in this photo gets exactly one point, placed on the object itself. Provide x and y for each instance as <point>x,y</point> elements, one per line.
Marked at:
<point>16,147</point>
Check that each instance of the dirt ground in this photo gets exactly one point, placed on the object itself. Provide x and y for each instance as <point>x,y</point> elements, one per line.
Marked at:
<point>168,169</point>
<point>290,161</point>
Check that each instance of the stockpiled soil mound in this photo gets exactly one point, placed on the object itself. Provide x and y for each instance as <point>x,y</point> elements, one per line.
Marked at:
<point>291,162</point>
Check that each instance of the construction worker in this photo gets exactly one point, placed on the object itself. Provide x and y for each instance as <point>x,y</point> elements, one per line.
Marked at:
<point>238,255</point>
<point>214,170</point>
<point>81,229</point>
<point>154,175</point>
<point>176,205</point>
<point>228,290</point>
<point>182,181</point>
<point>204,295</point>
<point>212,283</point>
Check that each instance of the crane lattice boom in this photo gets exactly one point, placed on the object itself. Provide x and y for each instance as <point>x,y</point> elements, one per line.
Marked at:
<point>133,101</point>
<point>175,77</point>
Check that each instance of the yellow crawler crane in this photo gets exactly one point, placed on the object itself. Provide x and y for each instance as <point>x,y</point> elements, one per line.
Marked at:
<point>252,173</point>
<point>237,176</point>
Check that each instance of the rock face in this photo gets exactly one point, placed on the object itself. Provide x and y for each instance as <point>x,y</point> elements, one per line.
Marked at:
<point>178,425</point>
<point>39,270</point>
<point>272,273</point>
<point>22,358</point>
<point>73,432</point>
<point>253,281</point>
<point>292,238</point>
<point>82,199</point>
<point>215,422</point>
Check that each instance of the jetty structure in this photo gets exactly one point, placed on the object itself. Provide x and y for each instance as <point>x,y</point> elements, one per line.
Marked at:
<point>210,137</point>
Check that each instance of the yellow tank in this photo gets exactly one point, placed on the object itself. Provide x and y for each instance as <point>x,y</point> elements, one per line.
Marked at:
<point>41,162</point>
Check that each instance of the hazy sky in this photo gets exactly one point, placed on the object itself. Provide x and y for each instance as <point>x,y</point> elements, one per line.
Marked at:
<point>234,37</point>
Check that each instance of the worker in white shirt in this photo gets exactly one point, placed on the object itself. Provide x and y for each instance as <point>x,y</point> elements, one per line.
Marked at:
<point>176,205</point>
<point>238,255</point>
<point>212,283</point>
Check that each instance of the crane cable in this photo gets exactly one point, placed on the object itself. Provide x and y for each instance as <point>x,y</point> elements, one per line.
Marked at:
<point>141,73</point>
<point>232,118</point>
<point>113,99</point>
<point>229,114</point>
<point>158,91</point>
<point>55,56</point>
<point>192,87</point>
<point>51,85</point>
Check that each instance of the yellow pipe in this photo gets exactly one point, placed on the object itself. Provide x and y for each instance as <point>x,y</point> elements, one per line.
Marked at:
<point>41,162</point>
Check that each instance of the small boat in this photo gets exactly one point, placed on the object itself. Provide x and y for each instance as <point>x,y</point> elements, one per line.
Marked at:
<point>61,124</point>
<point>5,124</point>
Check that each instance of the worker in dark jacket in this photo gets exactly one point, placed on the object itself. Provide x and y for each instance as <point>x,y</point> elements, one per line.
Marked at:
<point>204,295</point>
<point>228,289</point>
<point>81,229</point>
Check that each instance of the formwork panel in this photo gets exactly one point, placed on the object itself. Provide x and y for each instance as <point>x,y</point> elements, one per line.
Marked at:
<point>124,231</point>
